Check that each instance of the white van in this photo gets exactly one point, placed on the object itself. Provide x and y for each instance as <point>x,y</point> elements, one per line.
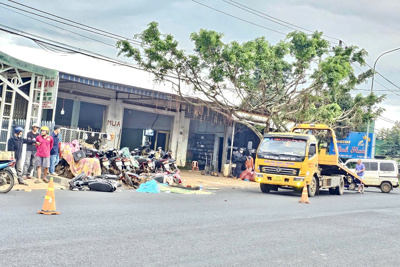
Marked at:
<point>378,173</point>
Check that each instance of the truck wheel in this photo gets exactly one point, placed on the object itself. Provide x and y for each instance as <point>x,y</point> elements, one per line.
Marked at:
<point>332,191</point>
<point>265,188</point>
<point>340,189</point>
<point>312,187</point>
<point>386,187</point>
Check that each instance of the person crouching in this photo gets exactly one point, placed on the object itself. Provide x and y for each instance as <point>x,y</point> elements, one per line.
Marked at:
<point>44,144</point>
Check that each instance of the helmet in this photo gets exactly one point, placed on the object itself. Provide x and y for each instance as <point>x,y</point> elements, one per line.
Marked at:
<point>18,130</point>
<point>36,125</point>
<point>45,128</point>
<point>159,148</point>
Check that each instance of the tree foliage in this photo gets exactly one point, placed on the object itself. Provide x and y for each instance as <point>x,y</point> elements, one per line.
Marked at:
<point>391,141</point>
<point>296,80</point>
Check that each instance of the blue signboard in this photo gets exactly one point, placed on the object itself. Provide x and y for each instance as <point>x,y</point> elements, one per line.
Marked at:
<point>353,146</point>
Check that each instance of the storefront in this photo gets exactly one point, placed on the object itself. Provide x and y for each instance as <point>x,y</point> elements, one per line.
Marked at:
<point>26,91</point>
<point>140,127</point>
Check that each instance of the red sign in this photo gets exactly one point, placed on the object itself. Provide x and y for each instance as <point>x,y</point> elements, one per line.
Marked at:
<point>114,123</point>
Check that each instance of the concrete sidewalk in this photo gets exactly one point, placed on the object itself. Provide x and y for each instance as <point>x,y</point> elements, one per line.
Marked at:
<point>195,178</point>
<point>188,178</point>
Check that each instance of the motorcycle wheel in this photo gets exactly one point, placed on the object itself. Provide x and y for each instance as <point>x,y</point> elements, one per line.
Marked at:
<point>128,180</point>
<point>6,181</point>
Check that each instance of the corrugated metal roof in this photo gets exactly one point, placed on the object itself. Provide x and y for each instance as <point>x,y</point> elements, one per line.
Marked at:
<point>114,86</point>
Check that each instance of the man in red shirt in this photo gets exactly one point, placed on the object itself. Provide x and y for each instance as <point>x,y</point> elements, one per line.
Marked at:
<point>44,144</point>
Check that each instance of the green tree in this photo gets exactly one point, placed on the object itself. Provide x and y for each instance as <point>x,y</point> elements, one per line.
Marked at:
<point>391,141</point>
<point>295,80</point>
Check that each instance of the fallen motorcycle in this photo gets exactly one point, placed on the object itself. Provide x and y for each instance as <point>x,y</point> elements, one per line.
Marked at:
<point>103,183</point>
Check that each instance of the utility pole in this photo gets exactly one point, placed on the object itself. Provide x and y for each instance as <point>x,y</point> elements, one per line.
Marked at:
<point>372,87</point>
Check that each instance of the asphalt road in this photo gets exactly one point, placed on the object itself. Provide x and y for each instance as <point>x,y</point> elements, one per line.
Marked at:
<point>234,227</point>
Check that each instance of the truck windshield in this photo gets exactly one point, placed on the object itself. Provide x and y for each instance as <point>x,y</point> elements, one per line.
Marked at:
<point>282,149</point>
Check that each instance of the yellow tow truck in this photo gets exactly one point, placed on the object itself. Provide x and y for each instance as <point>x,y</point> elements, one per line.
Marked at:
<point>291,160</point>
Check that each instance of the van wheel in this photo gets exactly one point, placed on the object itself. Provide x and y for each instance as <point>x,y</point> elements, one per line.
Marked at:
<point>265,188</point>
<point>340,189</point>
<point>332,191</point>
<point>386,187</point>
<point>312,187</point>
<point>352,186</point>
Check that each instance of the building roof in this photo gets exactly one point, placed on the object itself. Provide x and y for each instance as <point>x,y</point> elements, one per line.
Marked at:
<point>115,86</point>
<point>23,65</point>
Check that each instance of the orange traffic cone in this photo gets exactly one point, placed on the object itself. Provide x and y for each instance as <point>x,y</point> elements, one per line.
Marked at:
<point>304,195</point>
<point>49,205</point>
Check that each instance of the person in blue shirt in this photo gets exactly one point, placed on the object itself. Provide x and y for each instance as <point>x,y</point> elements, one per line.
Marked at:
<point>360,169</point>
<point>55,151</point>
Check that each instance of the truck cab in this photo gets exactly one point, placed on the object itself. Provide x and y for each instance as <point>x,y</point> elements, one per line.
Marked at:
<point>301,158</point>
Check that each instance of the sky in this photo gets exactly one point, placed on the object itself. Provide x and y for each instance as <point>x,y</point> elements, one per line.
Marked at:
<point>367,24</point>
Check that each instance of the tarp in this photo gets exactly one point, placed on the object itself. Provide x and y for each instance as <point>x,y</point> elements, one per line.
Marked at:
<point>90,166</point>
<point>149,187</point>
<point>19,64</point>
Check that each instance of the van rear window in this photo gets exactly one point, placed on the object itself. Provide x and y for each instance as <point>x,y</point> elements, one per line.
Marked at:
<point>387,167</point>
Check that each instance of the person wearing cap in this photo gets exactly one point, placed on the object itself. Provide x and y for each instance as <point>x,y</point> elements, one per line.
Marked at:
<point>30,151</point>
<point>15,144</point>
<point>55,151</point>
<point>44,143</point>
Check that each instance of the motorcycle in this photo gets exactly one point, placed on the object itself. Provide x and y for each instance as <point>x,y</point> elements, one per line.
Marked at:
<point>6,176</point>
<point>116,165</point>
<point>104,164</point>
<point>106,182</point>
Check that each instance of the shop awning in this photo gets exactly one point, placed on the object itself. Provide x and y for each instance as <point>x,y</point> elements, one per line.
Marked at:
<point>113,86</point>
<point>19,64</point>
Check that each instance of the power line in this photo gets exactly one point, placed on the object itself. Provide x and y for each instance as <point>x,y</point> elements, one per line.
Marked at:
<point>78,23</point>
<point>118,37</point>
<point>270,18</point>
<point>376,81</point>
<point>377,90</point>
<point>386,119</point>
<point>93,39</point>
<point>253,11</point>
<point>230,15</point>
<point>70,48</point>
<point>64,46</point>
<point>109,35</point>
<point>388,80</point>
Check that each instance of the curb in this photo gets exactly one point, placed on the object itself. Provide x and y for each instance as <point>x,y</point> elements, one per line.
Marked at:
<point>56,179</point>
<point>59,180</point>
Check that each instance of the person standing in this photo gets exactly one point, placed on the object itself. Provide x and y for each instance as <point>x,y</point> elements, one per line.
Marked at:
<point>239,159</point>
<point>360,169</point>
<point>55,151</point>
<point>15,144</point>
<point>30,151</point>
<point>44,144</point>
